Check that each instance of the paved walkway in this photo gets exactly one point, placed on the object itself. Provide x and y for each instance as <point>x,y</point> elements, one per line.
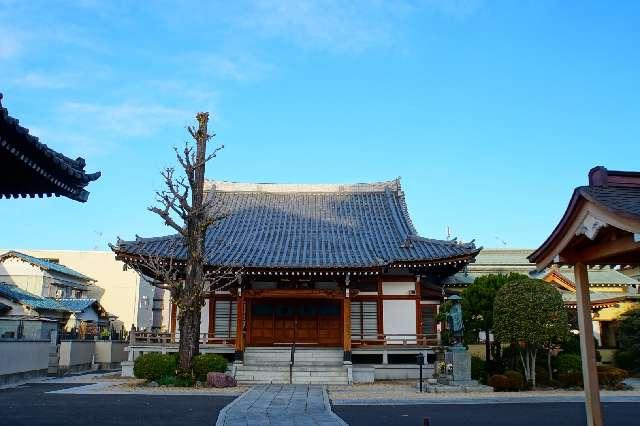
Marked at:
<point>280,405</point>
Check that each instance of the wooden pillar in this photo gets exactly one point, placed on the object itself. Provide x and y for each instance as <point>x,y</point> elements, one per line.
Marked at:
<point>346,333</point>
<point>346,322</point>
<point>239,326</point>
<point>587,347</point>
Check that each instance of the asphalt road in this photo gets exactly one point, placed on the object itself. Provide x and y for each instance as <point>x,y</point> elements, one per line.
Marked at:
<point>545,414</point>
<point>31,405</point>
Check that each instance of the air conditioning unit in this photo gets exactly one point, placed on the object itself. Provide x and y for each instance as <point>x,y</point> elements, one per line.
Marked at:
<point>412,292</point>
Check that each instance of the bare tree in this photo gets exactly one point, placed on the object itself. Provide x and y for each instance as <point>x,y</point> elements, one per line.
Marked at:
<point>183,207</point>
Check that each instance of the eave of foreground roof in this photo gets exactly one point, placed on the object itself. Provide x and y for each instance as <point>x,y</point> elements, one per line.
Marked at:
<point>58,174</point>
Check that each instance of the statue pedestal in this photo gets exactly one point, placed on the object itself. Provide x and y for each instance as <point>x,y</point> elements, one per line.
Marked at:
<point>461,361</point>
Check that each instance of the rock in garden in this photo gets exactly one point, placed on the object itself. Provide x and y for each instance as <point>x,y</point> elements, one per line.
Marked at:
<point>217,380</point>
<point>153,384</point>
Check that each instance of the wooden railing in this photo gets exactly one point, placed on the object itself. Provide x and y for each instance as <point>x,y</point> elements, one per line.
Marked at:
<point>395,340</point>
<point>153,338</point>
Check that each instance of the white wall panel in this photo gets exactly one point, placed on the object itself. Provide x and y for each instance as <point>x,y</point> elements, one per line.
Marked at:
<point>398,288</point>
<point>399,317</point>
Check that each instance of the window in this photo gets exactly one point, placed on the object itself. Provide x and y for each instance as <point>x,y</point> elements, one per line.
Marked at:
<point>364,320</point>
<point>225,319</point>
<point>428,319</point>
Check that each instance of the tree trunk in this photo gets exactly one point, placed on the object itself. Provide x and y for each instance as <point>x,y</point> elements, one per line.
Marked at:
<point>549,364</point>
<point>487,346</point>
<point>534,353</point>
<point>193,292</point>
<point>189,339</point>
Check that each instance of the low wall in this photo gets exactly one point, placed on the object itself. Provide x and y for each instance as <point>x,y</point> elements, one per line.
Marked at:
<point>22,360</point>
<point>76,355</point>
<point>109,354</point>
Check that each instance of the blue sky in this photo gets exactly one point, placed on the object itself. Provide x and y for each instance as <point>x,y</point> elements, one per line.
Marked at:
<point>490,111</point>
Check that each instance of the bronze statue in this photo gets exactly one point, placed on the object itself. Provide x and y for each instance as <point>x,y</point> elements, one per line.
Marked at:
<point>454,320</point>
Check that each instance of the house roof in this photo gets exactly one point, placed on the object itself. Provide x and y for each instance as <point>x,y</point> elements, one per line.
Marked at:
<point>309,226</point>
<point>46,265</point>
<point>31,168</point>
<point>76,305</point>
<point>15,293</point>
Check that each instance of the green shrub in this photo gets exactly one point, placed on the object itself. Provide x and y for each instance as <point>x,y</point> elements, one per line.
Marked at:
<point>626,360</point>
<point>167,380</point>
<point>154,366</point>
<point>611,376</point>
<point>207,363</point>
<point>515,378</point>
<point>568,363</point>
<point>478,369</point>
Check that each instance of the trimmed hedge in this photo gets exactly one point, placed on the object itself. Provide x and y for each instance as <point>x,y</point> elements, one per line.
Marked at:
<point>509,381</point>
<point>611,376</point>
<point>516,379</point>
<point>154,366</point>
<point>569,363</point>
<point>208,363</point>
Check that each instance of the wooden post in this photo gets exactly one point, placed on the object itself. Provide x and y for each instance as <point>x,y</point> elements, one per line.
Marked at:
<point>346,333</point>
<point>239,326</point>
<point>587,347</point>
<point>346,322</point>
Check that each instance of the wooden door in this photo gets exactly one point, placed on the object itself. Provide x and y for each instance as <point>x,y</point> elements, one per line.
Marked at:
<point>303,321</point>
<point>262,331</point>
<point>330,323</point>
<point>284,322</point>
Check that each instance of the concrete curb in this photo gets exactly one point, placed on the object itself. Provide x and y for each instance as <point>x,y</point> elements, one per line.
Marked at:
<point>222,415</point>
<point>476,401</point>
<point>327,405</point>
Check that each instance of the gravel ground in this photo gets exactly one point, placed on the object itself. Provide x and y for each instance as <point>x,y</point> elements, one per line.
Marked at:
<point>113,383</point>
<point>404,390</point>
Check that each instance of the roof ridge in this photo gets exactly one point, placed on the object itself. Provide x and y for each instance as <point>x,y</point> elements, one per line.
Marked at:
<point>267,187</point>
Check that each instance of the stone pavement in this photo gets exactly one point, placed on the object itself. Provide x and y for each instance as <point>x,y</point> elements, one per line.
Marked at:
<point>280,405</point>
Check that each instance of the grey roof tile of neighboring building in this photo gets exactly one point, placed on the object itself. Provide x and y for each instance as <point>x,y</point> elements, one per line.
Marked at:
<point>19,295</point>
<point>504,261</point>
<point>46,265</point>
<point>76,305</point>
<point>309,226</point>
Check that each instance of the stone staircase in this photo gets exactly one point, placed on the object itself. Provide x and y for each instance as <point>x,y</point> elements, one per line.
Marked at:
<point>312,366</point>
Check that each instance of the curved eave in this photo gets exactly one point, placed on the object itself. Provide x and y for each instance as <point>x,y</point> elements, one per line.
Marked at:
<point>129,257</point>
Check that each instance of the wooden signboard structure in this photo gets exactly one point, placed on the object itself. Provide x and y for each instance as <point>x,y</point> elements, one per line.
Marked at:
<point>600,227</point>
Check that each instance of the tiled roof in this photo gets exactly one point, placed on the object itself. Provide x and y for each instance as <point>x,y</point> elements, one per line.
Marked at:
<point>46,265</point>
<point>505,261</point>
<point>604,276</point>
<point>19,295</point>
<point>31,168</point>
<point>620,199</point>
<point>76,305</point>
<point>309,226</point>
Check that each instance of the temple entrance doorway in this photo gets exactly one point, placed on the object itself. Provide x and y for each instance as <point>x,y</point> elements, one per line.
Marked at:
<point>305,322</point>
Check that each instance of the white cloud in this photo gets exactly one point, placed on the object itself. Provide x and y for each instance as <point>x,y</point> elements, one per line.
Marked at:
<point>329,24</point>
<point>458,9</point>
<point>44,81</point>
<point>10,45</point>
<point>126,119</point>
